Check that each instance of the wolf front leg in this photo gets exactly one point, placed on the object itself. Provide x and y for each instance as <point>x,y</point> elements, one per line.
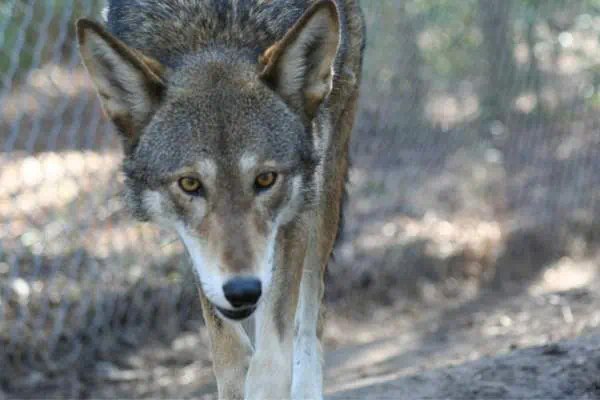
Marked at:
<point>307,382</point>
<point>231,352</point>
<point>270,373</point>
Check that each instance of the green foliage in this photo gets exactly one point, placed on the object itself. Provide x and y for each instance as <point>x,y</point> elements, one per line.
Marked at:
<point>500,52</point>
<point>34,32</point>
<point>439,42</point>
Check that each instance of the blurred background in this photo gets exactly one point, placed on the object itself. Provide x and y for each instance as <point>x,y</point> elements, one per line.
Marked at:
<point>476,170</point>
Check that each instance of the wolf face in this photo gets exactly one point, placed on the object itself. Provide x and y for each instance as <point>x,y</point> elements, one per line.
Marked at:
<point>224,147</point>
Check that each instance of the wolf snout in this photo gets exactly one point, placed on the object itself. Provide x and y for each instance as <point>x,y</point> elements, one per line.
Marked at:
<point>242,292</point>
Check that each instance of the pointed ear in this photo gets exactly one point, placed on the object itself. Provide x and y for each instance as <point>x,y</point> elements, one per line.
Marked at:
<point>300,66</point>
<point>129,84</point>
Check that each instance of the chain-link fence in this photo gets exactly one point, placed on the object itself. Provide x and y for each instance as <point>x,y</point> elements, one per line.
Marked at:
<point>80,280</point>
<point>475,164</point>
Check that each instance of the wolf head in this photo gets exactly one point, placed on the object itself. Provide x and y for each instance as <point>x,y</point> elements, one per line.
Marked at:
<point>220,148</point>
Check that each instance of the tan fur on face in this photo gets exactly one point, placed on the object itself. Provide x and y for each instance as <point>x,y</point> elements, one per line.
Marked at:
<point>239,241</point>
<point>234,231</point>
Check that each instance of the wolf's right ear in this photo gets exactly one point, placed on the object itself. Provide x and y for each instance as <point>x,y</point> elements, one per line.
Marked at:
<point>300,66</point>
<point>129,84</point>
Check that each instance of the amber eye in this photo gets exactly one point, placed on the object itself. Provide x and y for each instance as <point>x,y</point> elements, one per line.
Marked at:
<point>265,181</point>
<point>191,186</point>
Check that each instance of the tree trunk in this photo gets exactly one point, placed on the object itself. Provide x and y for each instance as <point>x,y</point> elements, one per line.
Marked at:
<point>494,16</point>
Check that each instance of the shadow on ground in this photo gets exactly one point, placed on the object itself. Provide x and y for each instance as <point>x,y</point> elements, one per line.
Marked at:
<point>567,369</point>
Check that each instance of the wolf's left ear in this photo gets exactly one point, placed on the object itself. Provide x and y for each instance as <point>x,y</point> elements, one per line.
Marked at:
<point>130,85</point>
<point>300,65</point>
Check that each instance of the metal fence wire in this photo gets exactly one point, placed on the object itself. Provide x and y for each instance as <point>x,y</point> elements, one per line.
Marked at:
<point>475,163</point>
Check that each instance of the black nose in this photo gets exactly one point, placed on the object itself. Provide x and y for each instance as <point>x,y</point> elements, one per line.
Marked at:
<point>242,292</point>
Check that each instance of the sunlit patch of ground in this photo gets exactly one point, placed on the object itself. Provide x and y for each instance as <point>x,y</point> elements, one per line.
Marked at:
<point>566,274</point>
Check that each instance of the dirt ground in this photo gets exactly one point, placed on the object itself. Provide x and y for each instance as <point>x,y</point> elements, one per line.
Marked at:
<point>539,342</point>
<point>522,347</point>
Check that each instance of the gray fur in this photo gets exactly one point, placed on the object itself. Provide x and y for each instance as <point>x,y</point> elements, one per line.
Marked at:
<point>209,75</point>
